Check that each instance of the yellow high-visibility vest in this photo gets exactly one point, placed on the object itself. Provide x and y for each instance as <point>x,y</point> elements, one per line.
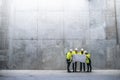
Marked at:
<point>69,56</point>
<point>80,52</point>
<point>74,52</point>
<point>88,57</point>
<point>87,60</point>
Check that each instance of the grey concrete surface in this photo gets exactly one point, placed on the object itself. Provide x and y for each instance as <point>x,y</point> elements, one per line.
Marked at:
<point>59,75</point>
<point>4,22</point>
<point>36,34</point>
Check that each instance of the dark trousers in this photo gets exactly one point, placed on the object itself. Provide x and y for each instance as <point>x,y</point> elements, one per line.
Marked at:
<point>89,67</point>
<point>74,66</point>
<point>68,65</point>
<point>82,66</point>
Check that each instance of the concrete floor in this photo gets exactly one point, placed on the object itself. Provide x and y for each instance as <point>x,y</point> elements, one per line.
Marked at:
<point>58,75</point>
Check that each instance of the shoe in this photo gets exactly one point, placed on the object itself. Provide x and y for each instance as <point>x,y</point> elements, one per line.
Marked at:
<point>69,71</point>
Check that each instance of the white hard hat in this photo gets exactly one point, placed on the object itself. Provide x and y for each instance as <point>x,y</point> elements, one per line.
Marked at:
<point>82,49</point>
<point>71,50</point>
<point>85,51</point>
<point>76,49</point>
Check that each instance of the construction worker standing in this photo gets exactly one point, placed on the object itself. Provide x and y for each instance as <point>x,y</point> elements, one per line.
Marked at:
<point>74,66</point>
<point>82,65</point>
<point>88,61</point>
<point>69,59</point>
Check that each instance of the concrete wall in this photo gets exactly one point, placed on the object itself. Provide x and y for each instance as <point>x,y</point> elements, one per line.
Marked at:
<point>118,30</point>
<point>42,31</point>
<point>3,34</point>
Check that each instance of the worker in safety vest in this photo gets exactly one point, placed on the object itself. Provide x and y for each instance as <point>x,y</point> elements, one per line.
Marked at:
<point>88,61</point>
<point>82,65</point>
<point>74,66</point>
<point>69,59</point>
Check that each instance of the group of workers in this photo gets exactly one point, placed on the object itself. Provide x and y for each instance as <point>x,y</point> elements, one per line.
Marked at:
<point>69,60</point>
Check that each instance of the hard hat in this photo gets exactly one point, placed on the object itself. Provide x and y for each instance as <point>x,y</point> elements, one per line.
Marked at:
<point>85,51</point>
<point>76,49</point>
<point>82,49</point>
<point>71,50</point>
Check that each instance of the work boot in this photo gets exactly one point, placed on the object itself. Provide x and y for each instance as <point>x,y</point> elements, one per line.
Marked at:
<point>69,71</point>
<point>87,71</point>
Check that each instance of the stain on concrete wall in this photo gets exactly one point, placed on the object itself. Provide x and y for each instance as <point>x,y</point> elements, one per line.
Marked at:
<point>3,34</point>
